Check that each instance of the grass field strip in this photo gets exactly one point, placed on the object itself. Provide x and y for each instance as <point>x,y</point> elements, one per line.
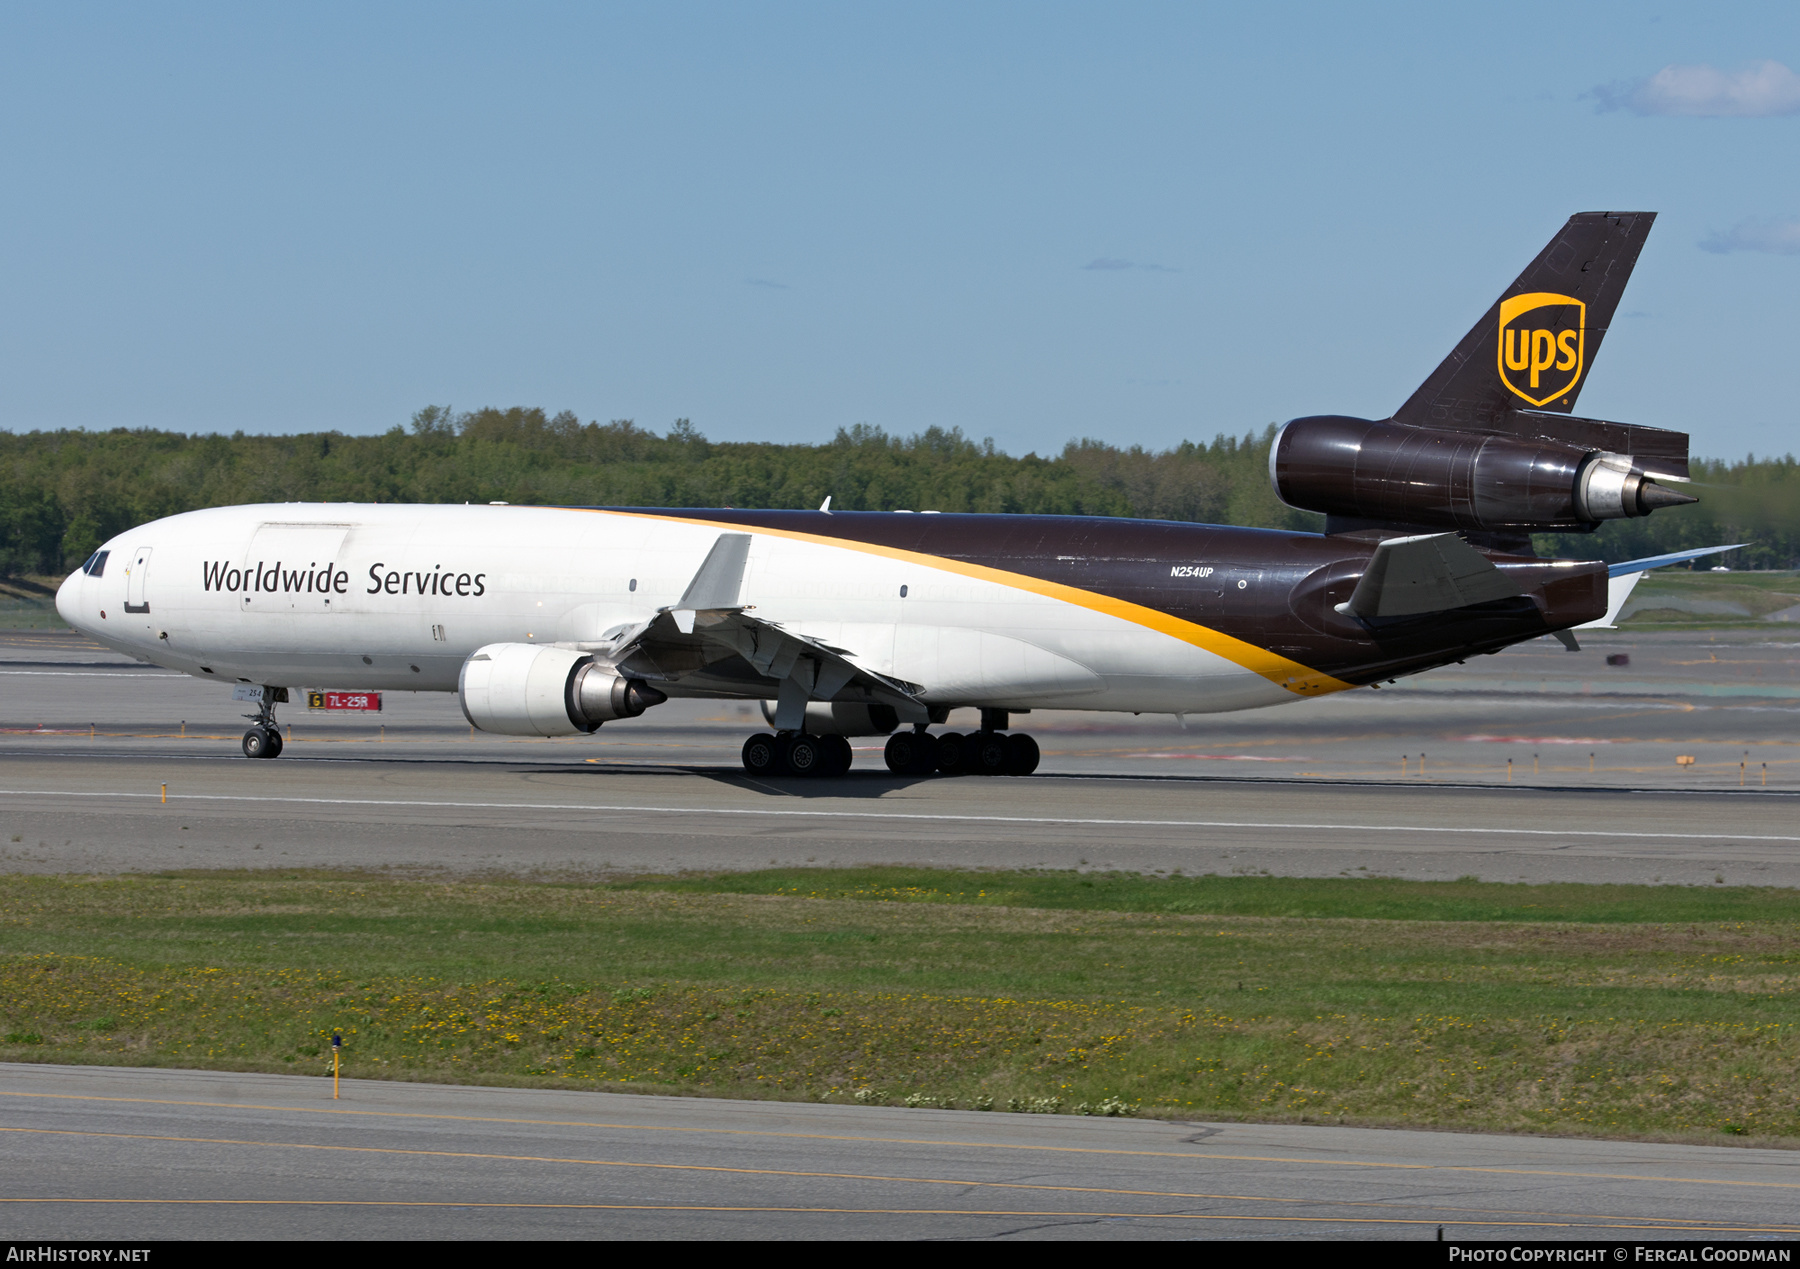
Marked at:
<point>935,816</point>
<point>1522,1218</point>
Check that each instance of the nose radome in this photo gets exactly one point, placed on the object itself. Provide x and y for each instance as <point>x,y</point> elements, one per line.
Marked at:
<point>66,595</point>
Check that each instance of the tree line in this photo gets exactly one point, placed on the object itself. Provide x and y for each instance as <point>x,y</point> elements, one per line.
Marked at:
<point>62,493</point>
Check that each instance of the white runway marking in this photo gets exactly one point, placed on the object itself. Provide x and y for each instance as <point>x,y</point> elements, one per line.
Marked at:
<point>906,815</point>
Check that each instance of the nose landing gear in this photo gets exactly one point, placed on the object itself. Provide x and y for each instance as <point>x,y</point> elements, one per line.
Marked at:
<point>263,740</point>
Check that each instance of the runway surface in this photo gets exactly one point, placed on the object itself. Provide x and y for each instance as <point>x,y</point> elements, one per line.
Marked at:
<point>110,766</point>
<point>109,1153</point>
<point>1411,781</point>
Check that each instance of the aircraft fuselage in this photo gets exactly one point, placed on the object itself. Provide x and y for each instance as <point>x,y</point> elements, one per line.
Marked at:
<point>998,611</point>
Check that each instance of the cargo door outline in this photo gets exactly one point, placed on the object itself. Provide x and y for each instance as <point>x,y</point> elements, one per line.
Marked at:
<point>135,600</point>
<point>294,548</point>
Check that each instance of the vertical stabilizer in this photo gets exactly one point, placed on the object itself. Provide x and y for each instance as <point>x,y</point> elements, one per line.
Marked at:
<point>1533,348</point>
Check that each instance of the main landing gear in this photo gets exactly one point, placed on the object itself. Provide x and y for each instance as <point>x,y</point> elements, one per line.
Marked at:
<point>794,753</point>
<point>263,740</point>
<point>986,752</point>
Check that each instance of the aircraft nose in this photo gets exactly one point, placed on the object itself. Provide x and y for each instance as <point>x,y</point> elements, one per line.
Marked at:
<point>66,595</point>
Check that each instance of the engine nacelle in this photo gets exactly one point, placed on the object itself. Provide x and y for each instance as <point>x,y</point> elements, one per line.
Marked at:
<point>842,718</point>
<point>1396,474</point>
<point>524,689</point>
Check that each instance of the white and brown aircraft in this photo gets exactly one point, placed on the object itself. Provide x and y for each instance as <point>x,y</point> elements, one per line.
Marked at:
<point>554,620</point>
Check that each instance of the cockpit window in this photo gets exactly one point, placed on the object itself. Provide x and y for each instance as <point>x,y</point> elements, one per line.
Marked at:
<point>96,565</point>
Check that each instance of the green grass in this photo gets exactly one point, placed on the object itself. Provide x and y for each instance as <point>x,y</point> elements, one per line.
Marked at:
<point>1669,598</point>
<point>1653,1011</point>
<point>29,603</point>
<point>1374,898</point>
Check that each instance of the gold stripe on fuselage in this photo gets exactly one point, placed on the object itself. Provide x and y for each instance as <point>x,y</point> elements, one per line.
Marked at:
<point>1295,677</point>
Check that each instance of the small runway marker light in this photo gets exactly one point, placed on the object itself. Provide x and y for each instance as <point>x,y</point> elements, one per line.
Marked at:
<point>165,795</point>
<point>337,1047</point>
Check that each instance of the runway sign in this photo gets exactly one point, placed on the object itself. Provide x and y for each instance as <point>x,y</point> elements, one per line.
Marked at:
<point>344,700</point>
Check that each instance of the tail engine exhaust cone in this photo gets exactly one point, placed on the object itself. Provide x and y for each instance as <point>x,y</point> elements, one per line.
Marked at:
<point>1653,497</point>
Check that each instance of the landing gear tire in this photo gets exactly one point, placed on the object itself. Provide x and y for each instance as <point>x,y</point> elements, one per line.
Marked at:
<point>275,742</point>
<point>259,742</point>
<point>953,753</point>
<point>988,753</point>
<point>1021,754</point>
<point>911,753</point>
<point>838,756</point>
<point>803,755</point>
<point>762,755</point>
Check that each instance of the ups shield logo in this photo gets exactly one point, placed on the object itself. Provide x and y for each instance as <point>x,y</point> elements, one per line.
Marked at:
<point>1541,352</point>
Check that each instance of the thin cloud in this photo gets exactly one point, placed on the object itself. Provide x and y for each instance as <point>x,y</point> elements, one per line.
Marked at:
<point>1759,90</point>
<point>1109,264</point>
<point>766,282</point>
<point>1771,237</point>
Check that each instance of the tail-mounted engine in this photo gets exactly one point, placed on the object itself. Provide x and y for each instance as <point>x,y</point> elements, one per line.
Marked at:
<point>1532,471</point>
<point>522,689</point>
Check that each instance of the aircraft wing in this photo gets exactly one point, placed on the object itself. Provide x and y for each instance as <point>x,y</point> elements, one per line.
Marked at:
<point>709,633</point>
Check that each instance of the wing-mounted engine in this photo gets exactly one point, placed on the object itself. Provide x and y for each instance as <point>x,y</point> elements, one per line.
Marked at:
<point>524,689</point>
<point>1530,471</point>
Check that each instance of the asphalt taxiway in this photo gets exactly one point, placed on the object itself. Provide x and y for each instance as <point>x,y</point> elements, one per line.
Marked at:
<point>111,1153</point>
<point>1533,765</point>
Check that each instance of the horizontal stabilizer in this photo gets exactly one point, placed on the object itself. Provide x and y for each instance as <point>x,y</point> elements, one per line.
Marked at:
<point>1621,579</point>
<point>1659,561</point>
<point>1431,572</point>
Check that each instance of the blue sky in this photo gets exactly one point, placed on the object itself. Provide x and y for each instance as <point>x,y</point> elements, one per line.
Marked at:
<point>1033,222</point>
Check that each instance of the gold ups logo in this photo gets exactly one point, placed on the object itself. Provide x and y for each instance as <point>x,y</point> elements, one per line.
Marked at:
<point>1541,345</point>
